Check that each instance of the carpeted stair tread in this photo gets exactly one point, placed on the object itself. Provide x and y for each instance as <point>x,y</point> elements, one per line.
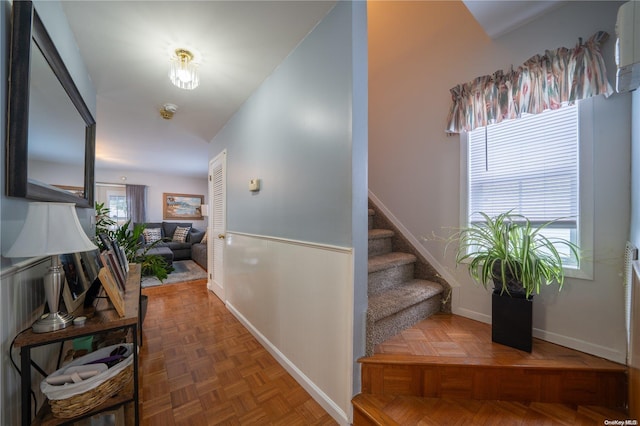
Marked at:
<point>376,234</point>
<point>389,260</point>
<point>400,297</point>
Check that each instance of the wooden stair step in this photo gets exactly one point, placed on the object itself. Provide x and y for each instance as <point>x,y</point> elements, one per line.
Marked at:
<point>390,260</point>
<point>380,410</point>
<point>401,297</point>
<point>448,356</point>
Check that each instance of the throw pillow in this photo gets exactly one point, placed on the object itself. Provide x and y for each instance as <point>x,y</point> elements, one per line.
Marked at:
<point>151,235</point>
<point>180,235</point>
<point>204,239</point>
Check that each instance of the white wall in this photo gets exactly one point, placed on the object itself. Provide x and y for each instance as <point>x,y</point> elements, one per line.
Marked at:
<point>417,52</point>
<point>635,170</point>
<point>299,133</point>
<point>269,286</point>
<point>157,184</point>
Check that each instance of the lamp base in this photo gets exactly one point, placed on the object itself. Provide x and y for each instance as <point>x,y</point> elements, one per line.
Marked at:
<point>52,321</point>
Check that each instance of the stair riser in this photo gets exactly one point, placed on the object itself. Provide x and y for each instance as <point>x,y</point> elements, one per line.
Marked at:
<point>379,246</point>
<point>576,387</point>
<point>370,222</point>
<point>387,327</point>
<point>383,280</point>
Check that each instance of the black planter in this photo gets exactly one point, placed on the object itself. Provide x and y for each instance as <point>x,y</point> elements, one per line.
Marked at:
<point>512,321</point>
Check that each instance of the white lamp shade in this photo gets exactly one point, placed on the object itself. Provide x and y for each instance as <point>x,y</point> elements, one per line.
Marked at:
<point>50,229</point>
<point>204,209</point>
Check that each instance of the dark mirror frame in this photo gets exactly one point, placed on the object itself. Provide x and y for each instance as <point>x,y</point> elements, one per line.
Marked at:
<point>27,26</point>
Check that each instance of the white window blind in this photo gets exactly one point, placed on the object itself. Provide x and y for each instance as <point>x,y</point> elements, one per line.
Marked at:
<point>529,166</point>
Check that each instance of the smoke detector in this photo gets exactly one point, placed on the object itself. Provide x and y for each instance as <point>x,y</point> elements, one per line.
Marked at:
<point>168,110</point>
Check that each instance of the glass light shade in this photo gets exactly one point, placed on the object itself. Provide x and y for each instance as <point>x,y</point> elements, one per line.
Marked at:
<point>183,72</point>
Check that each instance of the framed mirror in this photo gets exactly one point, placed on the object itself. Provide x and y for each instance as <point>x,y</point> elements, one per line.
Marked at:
<point>51,135</point>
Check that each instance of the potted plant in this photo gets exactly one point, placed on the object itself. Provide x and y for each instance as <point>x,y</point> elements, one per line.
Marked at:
<point>130,239</point>
<point>513,254</point>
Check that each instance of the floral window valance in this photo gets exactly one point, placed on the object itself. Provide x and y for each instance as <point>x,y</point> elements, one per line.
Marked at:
<point>548,81</point>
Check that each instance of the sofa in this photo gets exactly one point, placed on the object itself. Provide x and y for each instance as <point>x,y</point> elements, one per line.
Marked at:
<point>181,244</point>
<point>199,254</point>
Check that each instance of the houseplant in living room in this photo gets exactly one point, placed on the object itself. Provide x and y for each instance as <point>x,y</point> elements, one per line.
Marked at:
<point>130,239</point>
<point>511,252</point>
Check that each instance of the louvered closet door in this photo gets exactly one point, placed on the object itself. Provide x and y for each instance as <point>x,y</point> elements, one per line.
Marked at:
<point>217,223</point>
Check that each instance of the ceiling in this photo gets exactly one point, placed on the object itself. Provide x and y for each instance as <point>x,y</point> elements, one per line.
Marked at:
<point>498,17</point>
<point>126,46</point>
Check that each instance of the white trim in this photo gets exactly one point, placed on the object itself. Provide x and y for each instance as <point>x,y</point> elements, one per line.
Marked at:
<point>114,185</point>
<point>580,345</point>
<point>22,266</point>
<point>346,250</point>
<point>467,313</point>
<point>558,339</point>
<point>317,394</point>
<point>442,271</point>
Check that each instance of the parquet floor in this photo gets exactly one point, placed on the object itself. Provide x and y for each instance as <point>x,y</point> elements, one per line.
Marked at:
<point>200,366</point>
<point>447,338</point>
<point>451,340</point>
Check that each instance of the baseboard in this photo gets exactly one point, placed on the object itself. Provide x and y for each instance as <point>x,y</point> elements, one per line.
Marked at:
<point>558,339</point>
<point>316,393</point>
<point>580,345</point>
<point>467,313</point>
<point>442,271</point>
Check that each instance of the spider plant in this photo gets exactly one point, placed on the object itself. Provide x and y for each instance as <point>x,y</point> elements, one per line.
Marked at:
<point>511,252</point>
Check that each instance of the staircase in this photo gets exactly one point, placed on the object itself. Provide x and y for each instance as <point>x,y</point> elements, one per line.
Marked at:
<point>403,288</point>
<point>438,368</point>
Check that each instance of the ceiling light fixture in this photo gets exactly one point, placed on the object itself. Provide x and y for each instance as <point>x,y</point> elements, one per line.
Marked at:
<point>184,72</point>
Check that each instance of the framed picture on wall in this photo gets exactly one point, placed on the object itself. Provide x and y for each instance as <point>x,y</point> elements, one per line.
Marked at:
<point>182,206</point>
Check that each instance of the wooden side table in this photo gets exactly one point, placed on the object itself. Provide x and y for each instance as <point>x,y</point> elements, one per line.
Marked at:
<point>98,321</point>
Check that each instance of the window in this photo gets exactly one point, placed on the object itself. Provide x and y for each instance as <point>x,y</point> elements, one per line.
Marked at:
<point>533,166</point>
<point>114,197</point>
<point>117,207</point>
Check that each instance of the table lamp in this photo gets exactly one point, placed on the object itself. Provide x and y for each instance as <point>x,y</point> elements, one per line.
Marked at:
<point>51,229</point>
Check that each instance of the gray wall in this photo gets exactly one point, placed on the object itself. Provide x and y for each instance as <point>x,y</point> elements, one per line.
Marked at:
<point>294,134</point>
<point>304,134</point>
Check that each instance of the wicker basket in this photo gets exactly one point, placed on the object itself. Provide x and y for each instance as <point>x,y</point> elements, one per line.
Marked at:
<point>75,399</point>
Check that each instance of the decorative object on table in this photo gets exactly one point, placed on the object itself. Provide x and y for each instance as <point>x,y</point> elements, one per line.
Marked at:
<point>182,206</point>
<point>51,229</point>
<point>513,254</point>
<point>91,264</point>
<point>121,256</point>
<point>76,281</point>
<point>112,288</point>
<point>74,399</point>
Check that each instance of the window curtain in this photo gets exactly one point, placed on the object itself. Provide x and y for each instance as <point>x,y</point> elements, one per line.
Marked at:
<point>136,203</point>
<point>560,76</point>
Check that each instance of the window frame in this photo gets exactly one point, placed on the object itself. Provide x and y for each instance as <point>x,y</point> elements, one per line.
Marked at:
<point>585,184</point>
